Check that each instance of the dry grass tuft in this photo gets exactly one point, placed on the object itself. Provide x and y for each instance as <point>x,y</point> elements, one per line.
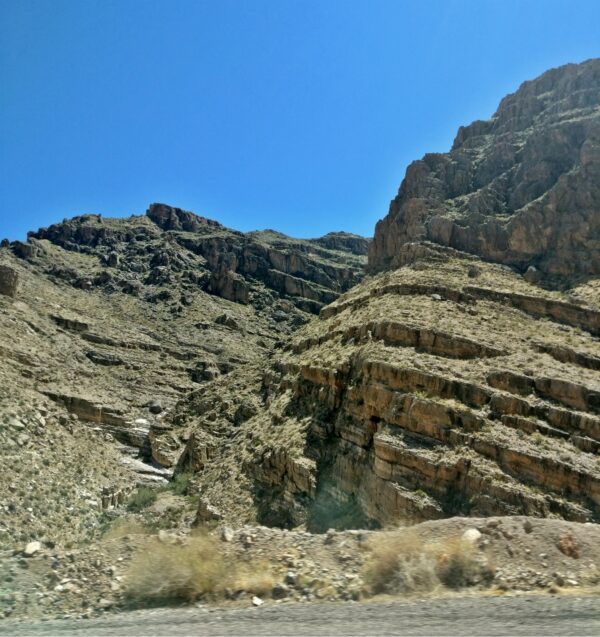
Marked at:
<point>399,564</point>
<point>162,573</point>
<point>459,563</point>
<point>404,564</point>
<point>123,527</point>
<point>254,578</point>
<point>568,545</point>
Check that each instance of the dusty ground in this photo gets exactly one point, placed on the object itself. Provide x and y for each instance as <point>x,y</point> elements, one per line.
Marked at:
<point>517,555</point>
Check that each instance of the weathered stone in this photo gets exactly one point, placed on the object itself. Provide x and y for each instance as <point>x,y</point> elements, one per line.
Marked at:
<point>32,548</point>
<point>9,281</point>
<point>280,591</point>
<point>512,188</point>
<point>207,512</point>
<point>471,535</point>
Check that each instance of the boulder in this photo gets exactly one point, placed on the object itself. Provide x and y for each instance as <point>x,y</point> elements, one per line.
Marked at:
<point>32,548</point>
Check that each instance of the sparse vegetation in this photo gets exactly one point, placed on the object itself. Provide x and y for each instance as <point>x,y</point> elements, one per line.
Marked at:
<point>569,545</point>
<point>179,484</point>
<point>141,499</point>
<point>399,564</point>
<point>165,572</point>
<point>460,564</point>
<point>404,564</point>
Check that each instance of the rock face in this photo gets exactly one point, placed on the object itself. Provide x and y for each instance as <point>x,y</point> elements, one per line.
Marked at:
<point>256,268</point>
<point>297,392</point>
<point>447,387</point>
<point>522,188</point>
<point>310,273</point>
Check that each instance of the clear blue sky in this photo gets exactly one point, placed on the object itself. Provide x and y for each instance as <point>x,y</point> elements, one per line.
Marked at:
<point>295,115</point>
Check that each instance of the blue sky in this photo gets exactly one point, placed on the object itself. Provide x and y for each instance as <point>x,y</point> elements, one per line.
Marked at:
<point>295,115</point>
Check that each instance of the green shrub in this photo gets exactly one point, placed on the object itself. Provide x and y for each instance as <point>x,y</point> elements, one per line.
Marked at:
<point>179,484</point>
<point>141,499</point>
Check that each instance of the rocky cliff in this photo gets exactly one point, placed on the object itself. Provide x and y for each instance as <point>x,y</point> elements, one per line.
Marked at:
<point>163,371</point>
<point>522,188</point>
<point>170,243</point>
<point>294,391</point>
<point>447,387</point>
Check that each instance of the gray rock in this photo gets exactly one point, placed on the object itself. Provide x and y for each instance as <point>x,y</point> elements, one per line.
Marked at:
<point>280,591</point>
<point>9,281</point>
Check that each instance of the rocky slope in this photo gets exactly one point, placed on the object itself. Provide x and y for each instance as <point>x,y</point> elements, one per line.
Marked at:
<point>522,188</point>
<point>170,244</point>
<point>542,556</point>
<point>106,323</point>
<point>446,385</point>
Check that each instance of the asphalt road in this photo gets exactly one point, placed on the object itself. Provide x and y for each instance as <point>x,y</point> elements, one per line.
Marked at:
<point>461,616</point>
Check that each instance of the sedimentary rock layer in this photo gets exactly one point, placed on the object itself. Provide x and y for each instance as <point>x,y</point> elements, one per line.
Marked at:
<point>412,399</point>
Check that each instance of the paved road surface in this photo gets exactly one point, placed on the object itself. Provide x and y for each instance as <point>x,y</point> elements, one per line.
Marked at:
<point>464,616</point>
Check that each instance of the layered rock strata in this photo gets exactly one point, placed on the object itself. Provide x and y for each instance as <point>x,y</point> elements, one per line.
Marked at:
<point>254,268</point>
<point>464,400</point>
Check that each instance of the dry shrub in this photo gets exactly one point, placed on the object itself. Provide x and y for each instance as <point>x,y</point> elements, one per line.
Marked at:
<point>163,572</point>
<point>254,578</point>
<point>404,564</point>
<point>460,564</point>
<point>399,564</point>
<point>568,545</point>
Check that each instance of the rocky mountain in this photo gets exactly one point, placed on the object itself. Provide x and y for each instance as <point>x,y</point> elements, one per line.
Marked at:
<point>235,266</point>
<point>444,385</point>
<point>162,372</point>
<point>522,188</point>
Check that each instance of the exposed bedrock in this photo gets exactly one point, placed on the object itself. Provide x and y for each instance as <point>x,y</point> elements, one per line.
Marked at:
<point>9,281</point>
<point>170,244</point>
<point>410,446</point>
<point>522,188</point>
<point>419,399</point>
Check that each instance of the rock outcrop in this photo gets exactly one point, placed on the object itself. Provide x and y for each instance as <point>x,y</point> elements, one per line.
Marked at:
<point>117,316</point>
<point>255,268</point>
<point>522,188</point>
<point>9,281</point>
<point>417,395</point>
<point>283,388</point>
